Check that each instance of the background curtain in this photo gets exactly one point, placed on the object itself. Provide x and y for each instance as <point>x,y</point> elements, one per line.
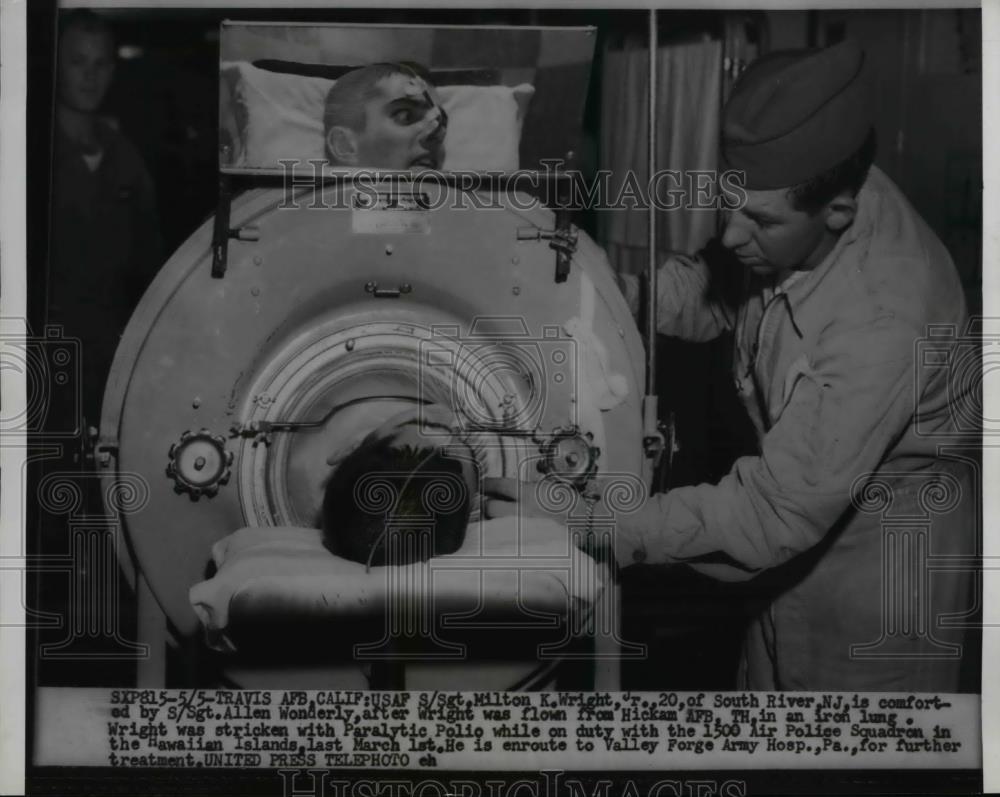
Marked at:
<point>689,82</point>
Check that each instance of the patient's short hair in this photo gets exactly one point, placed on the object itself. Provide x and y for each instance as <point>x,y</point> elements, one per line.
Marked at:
<point>345,102</point>
<point>394,505</point>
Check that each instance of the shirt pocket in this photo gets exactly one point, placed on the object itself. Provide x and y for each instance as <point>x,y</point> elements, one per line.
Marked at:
<point>800,368</point>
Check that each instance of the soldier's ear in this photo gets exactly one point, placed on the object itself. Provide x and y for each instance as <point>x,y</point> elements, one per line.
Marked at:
<point>840,212</point>
<point>342,146</point>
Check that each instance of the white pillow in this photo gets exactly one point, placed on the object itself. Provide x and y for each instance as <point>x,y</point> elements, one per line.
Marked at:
<point>284,120</point>
<point>484,126</point>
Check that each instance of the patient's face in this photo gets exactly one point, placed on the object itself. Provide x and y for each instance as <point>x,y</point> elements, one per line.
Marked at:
<point>404,126</point>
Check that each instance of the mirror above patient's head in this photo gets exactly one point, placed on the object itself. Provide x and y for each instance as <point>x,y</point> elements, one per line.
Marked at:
<point>300,97</point>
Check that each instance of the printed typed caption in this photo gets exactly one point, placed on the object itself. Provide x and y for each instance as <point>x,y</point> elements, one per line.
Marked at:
<point>457,730</point>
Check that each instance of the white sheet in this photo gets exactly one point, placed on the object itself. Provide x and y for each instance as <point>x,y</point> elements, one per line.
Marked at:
<point>503,564</point>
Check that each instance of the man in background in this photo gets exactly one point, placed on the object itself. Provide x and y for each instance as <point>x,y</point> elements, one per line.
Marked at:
<point>105,244</point>
<point>104,249</point>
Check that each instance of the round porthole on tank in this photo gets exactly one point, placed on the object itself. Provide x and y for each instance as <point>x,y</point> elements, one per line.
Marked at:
<point>318,397</point>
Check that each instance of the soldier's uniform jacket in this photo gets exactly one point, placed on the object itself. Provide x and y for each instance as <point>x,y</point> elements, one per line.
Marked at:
<point>851,509</point>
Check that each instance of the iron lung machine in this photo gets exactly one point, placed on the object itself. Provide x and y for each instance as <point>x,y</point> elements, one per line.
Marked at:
<point>256,356</point>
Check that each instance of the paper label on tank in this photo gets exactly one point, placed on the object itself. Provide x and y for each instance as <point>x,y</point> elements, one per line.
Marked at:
<point>395,211</point>
<point>390,221</point>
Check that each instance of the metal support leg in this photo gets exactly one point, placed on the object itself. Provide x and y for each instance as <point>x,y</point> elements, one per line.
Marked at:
<point>607,647</point>
<point>152,630</point>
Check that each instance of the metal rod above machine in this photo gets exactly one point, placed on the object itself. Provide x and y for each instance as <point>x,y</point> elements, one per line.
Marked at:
<point>651,211</point>
<point>653,437</point>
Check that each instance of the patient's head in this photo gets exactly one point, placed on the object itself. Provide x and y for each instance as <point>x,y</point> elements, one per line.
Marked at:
<point>385,116</point>
<point>400,497</point>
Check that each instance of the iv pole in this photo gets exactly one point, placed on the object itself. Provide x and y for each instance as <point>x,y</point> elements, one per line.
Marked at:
<point>654,441</point>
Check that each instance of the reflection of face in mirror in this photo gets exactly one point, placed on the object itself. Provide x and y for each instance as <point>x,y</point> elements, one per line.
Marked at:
<point>385,116</point>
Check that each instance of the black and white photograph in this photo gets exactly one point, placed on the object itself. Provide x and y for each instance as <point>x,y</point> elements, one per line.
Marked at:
<point>482,400</point>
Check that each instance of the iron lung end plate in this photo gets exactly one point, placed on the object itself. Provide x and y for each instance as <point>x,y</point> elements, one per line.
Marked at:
<point>241,391</point>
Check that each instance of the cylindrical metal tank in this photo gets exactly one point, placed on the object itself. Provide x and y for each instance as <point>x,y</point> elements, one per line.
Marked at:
<point>339,306</point>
